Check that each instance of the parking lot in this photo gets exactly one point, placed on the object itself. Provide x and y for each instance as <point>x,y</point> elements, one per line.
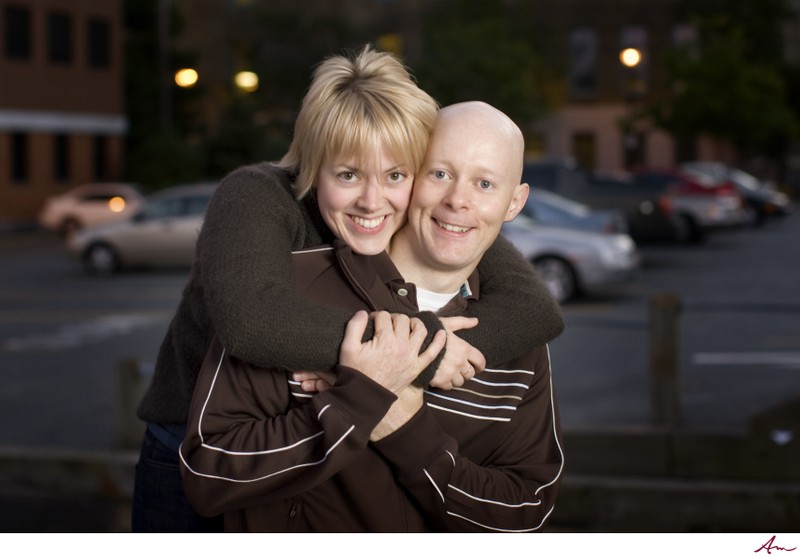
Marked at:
<point>63,335</point>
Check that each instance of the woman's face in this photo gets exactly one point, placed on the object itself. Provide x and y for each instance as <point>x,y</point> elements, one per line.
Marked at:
<point>364,198</point>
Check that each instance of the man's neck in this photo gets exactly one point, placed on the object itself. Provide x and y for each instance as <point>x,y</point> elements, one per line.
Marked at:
<point>414,269</point>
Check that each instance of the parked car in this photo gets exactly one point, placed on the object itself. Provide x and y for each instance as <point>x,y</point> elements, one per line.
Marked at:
<point>648,211</point>
<point>89,205</point>
<point>761,200</point>
<point>551,209</point>
<point>574,262</point>
<point>163,233</point>
<point>703,203</point>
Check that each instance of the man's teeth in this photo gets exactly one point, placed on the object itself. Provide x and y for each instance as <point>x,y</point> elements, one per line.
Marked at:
<point>451,228</point>
<point>369,222</point>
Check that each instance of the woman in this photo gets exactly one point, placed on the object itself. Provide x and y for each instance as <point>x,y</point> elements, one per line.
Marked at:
<point>363,122</point>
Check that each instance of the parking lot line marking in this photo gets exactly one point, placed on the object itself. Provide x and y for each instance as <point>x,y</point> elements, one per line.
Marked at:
<point>774,358</point>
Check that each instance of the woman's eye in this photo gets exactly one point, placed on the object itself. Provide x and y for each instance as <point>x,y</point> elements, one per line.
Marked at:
<point>347,176</point>
<point>396,177</point>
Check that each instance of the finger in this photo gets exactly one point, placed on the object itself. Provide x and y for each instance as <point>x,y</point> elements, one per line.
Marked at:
<point>457,381</point>
<point>382,321</point>
<point>433,349</point>
<point>300,376</point>
<point>477,360</point>
<point>354,330</point>
<point>401,323</point>
<point>459,323</point>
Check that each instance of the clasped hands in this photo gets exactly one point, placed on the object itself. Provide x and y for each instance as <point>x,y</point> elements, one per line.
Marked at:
<point>392,358</point>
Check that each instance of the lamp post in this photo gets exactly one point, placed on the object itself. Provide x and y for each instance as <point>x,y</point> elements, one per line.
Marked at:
<point>633,87</point>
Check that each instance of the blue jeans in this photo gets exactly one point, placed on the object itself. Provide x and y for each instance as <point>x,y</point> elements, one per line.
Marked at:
<point>159,501</point>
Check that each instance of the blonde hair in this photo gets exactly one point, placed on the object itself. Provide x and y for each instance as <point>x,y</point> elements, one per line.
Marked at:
<point>354,104</point>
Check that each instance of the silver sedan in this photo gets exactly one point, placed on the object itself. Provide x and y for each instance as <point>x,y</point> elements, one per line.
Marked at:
<point>163,233</point>
<point>574,262</point>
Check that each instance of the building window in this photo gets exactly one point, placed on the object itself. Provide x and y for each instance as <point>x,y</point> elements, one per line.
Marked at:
<point>99,43</point>
<point>59,36</point>
<point>18,33</point>
<point>61,157</point>
<point>19,157</point>
<point>634,149</point>
<point>100,156</point>
<point>584,149</point>
<point>583,63</point>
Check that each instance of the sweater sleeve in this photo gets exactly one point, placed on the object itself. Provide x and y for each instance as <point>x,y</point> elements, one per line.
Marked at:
<point>241,448</point>
<point>512,489</point>
<point>515,310</point>
<point>244,260</point>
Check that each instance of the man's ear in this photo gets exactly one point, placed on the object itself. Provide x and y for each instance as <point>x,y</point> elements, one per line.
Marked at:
<point>517,201</point>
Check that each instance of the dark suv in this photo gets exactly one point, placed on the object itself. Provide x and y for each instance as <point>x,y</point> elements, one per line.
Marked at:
<point>648,210</point>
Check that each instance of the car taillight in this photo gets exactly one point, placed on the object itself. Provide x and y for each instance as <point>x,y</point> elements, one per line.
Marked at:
<point>665,204</point>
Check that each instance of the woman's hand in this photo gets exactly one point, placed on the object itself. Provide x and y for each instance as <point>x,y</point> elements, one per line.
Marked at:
<point>391,358</point>
<point>314,381</point>
<point>461,361</point>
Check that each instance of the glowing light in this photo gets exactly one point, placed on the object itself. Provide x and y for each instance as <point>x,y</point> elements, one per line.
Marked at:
<point>630,57</point>
<point>186,77</point>
<point>246,81</point>
<point>116,204</point>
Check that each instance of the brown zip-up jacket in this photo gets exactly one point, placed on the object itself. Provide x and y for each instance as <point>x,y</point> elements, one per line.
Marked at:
<point>484,457</point>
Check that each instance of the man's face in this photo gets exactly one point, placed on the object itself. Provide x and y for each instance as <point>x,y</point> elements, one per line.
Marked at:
<point>363,199</point>
<point>467,187</point>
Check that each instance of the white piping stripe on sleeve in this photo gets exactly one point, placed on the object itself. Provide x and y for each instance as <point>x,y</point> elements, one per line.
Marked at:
<point>499,530</point>
<point>488,396</point>
<point>510,371</point>
<point>498,384</point>
<point>452,457</point>
<point>471,415</point>
<point>434,484</point>
<point>270,475</point>
<point>471,404</point>
<point>495,502</point>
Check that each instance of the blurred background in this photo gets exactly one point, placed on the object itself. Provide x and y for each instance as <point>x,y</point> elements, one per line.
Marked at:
<point>663,151</point>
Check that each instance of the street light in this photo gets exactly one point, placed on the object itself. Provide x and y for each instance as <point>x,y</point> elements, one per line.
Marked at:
<point>186,78</point>
<point>247,81</point>
<point>630,57</point>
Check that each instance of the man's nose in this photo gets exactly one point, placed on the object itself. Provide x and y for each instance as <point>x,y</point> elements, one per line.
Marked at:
<point>458,195</point>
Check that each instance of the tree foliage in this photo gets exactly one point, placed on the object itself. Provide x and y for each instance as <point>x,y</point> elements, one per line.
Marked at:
<point>730,85</point>
<point>482,50</point>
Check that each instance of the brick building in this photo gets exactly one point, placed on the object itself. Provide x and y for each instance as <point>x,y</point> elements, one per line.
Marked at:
<point>62,120</point>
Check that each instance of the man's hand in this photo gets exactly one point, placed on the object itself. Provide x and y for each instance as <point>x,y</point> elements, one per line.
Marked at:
<point>409,401</point>
<point>391,358</point>
<point>461,361</point>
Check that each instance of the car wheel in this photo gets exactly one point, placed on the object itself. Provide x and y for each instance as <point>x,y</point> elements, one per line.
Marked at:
<point>100,259</point>
<point>559,277</point>
<point>69,227</point>
<point>688,230</point>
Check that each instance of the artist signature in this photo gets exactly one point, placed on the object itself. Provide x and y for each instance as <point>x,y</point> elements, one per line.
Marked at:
<point>770,545</point>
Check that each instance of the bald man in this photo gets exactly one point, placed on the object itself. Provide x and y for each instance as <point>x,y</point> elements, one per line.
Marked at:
<point>356,456</point>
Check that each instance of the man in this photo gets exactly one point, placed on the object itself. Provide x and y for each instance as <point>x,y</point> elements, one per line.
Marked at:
<point>376,453</point>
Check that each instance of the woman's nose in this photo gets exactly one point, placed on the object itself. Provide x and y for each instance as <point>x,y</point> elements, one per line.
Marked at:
<point>370,198</point>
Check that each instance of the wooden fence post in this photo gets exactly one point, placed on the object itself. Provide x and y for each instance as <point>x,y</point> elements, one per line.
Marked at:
<point>131,382</point>
<point>665,360</point>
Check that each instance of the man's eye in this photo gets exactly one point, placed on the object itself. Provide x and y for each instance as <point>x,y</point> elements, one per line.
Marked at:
<point>485,184</point>
<point>439,174</point>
